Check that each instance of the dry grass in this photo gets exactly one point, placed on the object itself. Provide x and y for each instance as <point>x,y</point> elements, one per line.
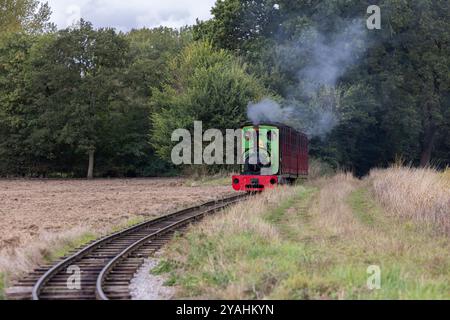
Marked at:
<point>311,242</point>
<point>421,195</point>
<point>319,169</point>
<point>247,217</point>
<point>16,262</point>
<point>446,177</point>
<point>331,209</point>
<point>233,232</point>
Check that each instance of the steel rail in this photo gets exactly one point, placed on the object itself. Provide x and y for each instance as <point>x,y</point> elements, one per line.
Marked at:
<point>40,284</point>
<point>100,294</point>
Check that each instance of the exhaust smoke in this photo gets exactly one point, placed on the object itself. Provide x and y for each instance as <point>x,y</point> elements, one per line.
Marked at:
<point>319,62</point>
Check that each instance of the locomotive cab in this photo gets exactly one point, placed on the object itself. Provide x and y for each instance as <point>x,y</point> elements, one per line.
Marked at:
<point>271,154</point>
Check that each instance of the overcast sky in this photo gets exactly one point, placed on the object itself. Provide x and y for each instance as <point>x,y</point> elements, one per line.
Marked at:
<point>127,14</point>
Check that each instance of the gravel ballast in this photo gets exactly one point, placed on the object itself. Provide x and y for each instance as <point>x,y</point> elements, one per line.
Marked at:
<point>146,286</point>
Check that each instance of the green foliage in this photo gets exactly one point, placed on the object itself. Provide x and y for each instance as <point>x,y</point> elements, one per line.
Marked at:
<point>24,15</point>
<point>72,95</point>
<point>205,85</point>
<point>80,89</point>
<point>150,52</point>
<point>14,114</point>
<point>164,266</point>
<point>393,102</point>
<point>66,93</point>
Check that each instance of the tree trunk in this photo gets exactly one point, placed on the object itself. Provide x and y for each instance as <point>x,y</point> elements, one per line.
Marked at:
<point>90,174</point>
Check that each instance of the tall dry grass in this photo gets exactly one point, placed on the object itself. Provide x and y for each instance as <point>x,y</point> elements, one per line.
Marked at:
<point>422,195</point>
<point>18,261</point>
<point>331,210</point>
<point>319,169</point>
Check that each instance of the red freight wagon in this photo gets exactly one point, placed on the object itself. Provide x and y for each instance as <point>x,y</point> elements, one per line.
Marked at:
<point>294,153</point>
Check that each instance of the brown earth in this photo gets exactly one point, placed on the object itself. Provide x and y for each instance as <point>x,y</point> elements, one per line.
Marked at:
<point>31,208</point>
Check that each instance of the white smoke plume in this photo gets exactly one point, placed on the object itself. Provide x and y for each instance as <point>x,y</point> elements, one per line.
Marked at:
<point>319,63</point>
<point>268,110</point>
<point>329,60</point>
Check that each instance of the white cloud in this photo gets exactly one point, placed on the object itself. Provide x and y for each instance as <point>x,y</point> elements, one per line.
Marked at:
<point>128,14</point>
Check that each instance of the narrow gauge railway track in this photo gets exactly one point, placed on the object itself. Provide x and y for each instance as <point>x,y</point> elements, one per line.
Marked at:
<point>108,265</point>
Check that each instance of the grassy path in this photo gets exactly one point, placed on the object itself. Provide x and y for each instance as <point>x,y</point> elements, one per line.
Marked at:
<point>313,242</point>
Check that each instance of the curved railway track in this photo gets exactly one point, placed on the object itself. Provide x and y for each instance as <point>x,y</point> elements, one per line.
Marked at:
<point>108,265</point>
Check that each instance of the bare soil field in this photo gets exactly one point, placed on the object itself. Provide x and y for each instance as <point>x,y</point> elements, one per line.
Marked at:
<point>31,208</point>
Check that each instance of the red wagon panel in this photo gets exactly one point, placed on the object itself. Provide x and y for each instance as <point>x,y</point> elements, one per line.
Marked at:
<point>294,153</point>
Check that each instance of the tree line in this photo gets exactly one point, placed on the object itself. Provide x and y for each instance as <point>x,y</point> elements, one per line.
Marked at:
<point>97,101</point>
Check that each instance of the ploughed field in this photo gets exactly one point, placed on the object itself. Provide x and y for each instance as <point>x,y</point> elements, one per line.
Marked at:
<point>35,209</point>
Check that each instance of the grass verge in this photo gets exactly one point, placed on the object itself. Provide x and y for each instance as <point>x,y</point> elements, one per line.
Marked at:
<point>49,248</point>
<point>363,207</point>
<point>317,241</point>
<point>69,245</point>
<point>16,263</point>
<point>2,286</point>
